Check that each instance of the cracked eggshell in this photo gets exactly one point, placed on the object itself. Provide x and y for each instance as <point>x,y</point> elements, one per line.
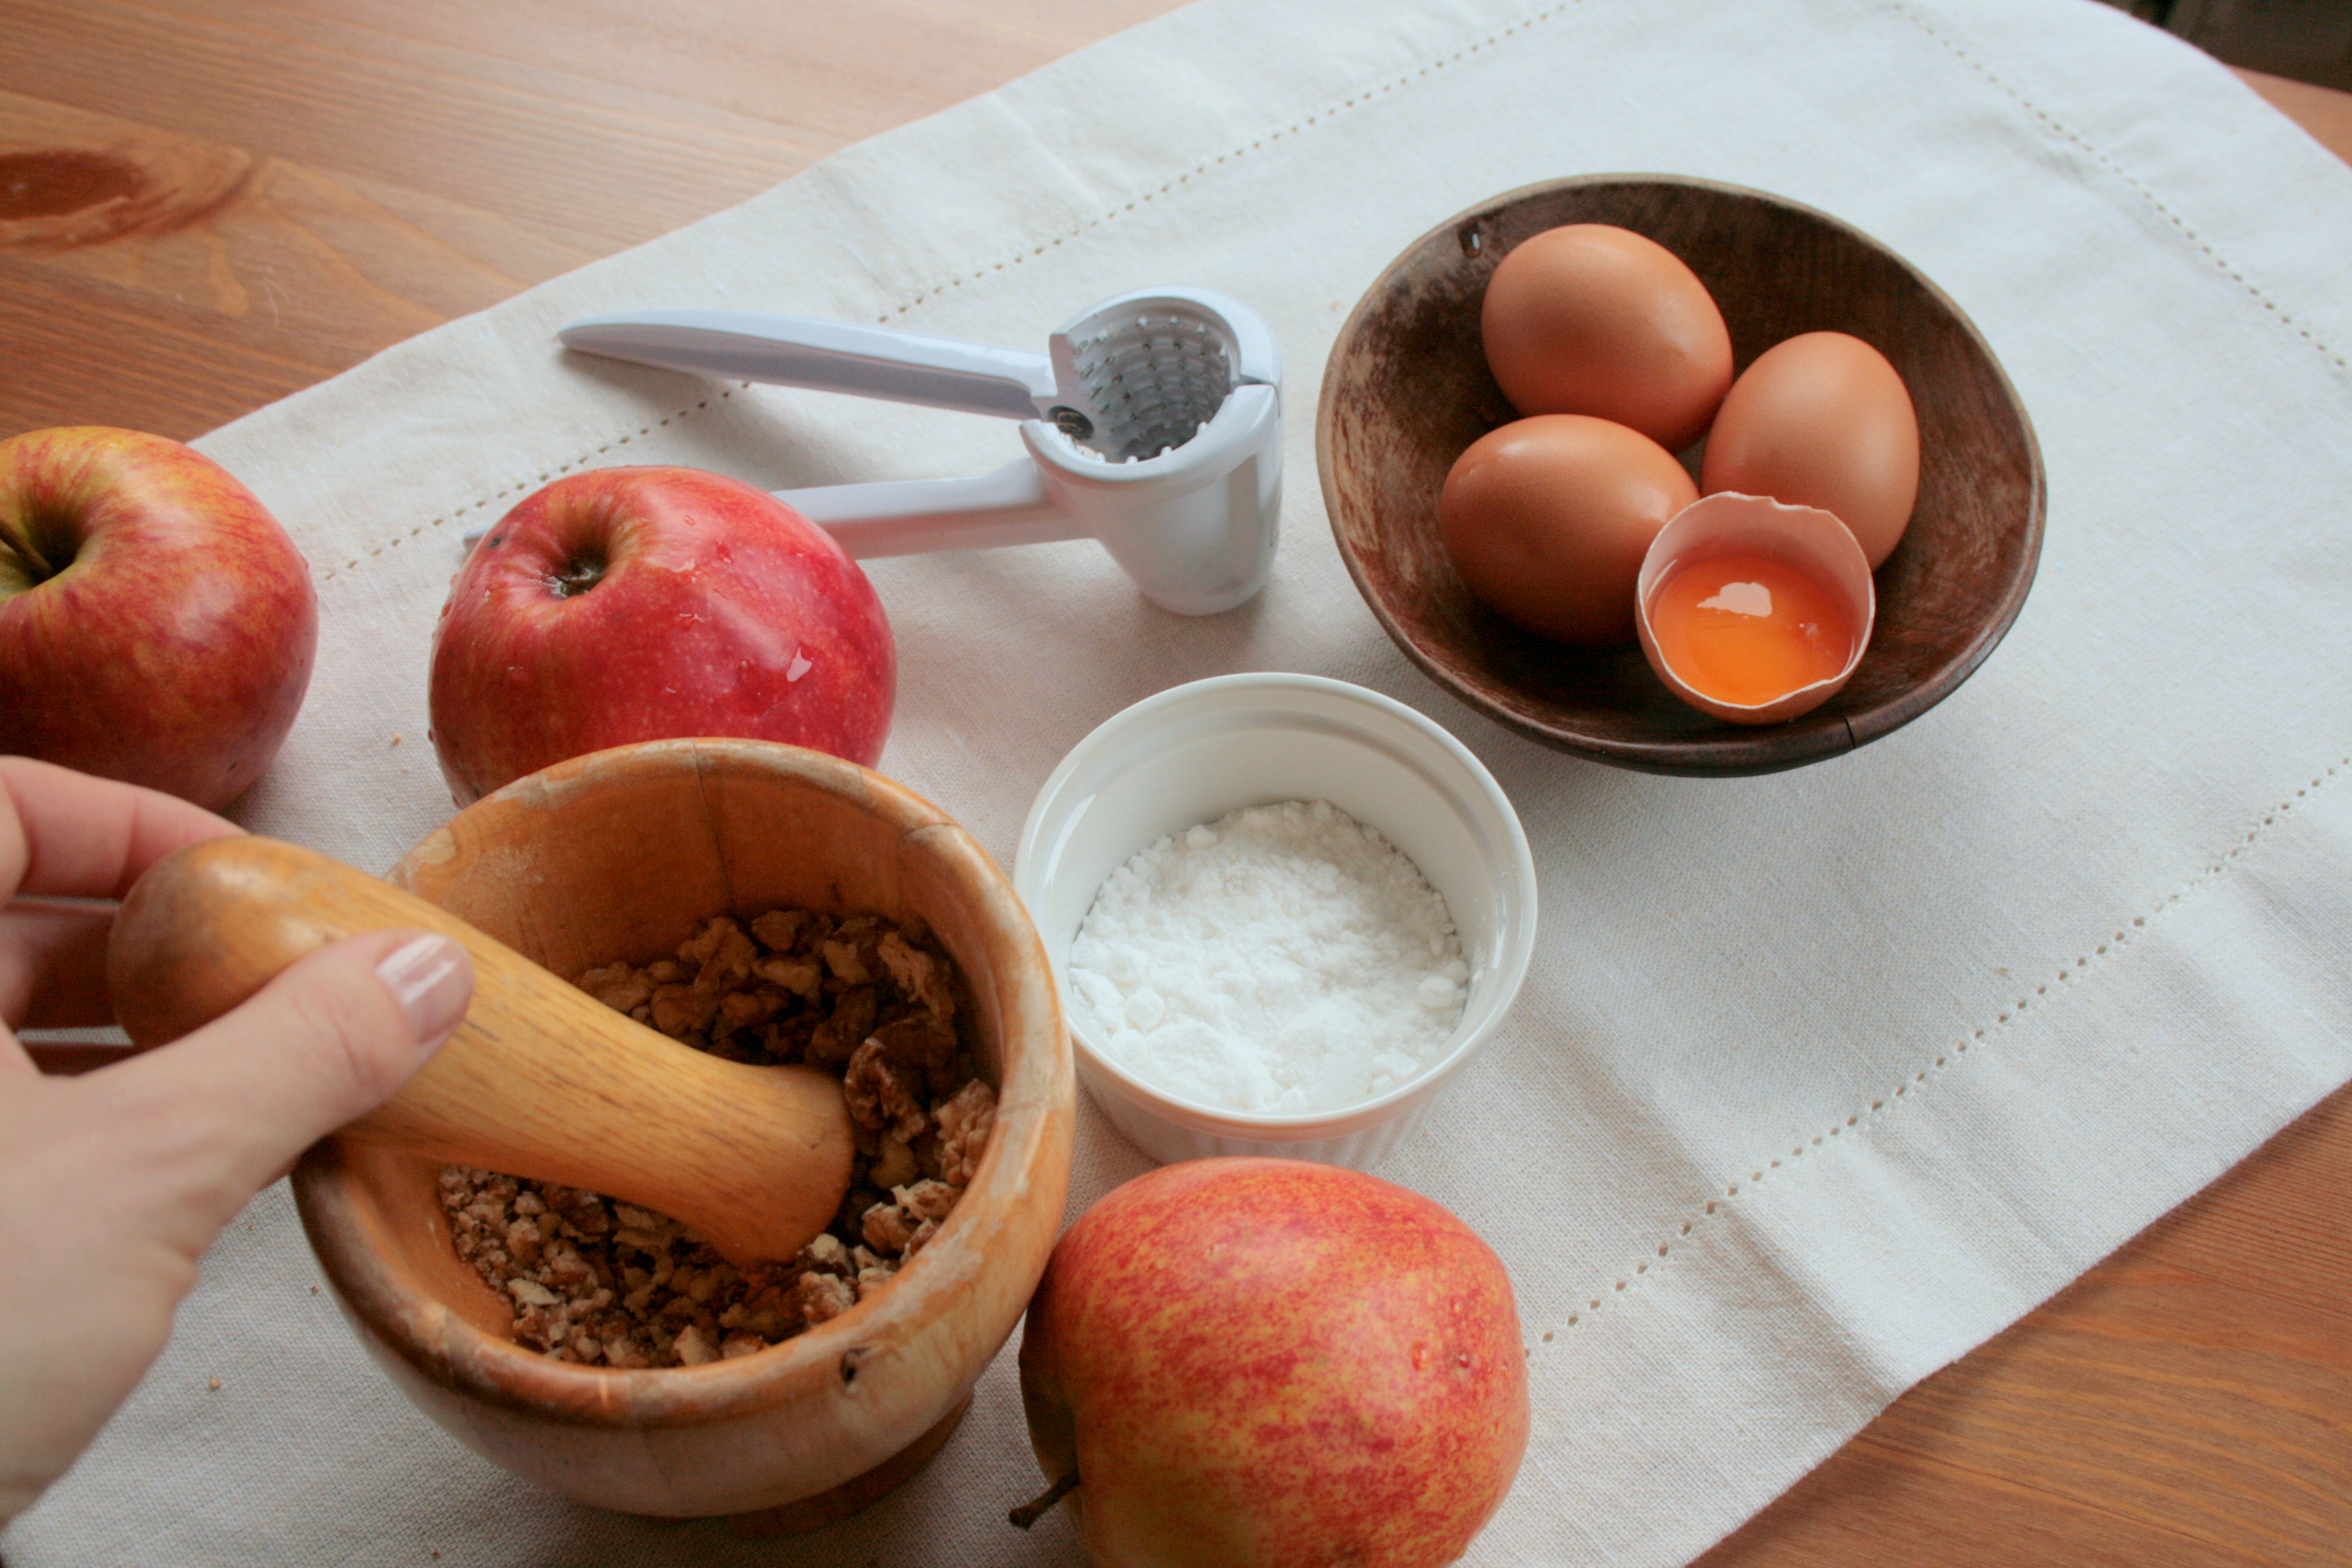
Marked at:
<point>1806,538</point>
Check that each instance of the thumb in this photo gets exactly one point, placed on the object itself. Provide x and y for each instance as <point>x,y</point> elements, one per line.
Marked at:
<point>328,1040</point>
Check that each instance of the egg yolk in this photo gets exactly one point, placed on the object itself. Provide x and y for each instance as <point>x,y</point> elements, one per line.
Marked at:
<point>1748,629</point>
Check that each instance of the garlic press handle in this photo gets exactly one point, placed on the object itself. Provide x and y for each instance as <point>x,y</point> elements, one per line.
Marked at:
<point>830,356</point>
<point>913,517</point>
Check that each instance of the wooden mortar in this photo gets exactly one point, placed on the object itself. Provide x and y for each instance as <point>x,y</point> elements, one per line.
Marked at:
<point>624,855</point>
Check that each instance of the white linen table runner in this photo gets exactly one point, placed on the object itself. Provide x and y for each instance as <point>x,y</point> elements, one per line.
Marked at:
<point>1820,1079</point>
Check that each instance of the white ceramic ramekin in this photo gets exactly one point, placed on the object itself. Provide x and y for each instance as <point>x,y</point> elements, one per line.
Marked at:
<point>1194,753</point>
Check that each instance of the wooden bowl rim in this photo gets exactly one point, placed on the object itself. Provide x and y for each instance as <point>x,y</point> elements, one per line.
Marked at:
<point>451,1353</point>
<point>1734,752</point>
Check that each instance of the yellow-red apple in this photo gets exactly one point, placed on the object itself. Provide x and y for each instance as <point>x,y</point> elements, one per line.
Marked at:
<point>1272,1363</point>
<point>641,604</point>
<point>156,623</point>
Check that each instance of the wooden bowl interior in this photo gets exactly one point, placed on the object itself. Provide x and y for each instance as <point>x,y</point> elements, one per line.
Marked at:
<point>572,876</point>
<point>1407,389</point>
<point>399,1206</point>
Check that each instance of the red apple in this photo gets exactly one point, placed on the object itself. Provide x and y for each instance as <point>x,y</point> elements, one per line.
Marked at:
<point>1254,1362</point>
<point>625,604</point>
<point>156,625</point>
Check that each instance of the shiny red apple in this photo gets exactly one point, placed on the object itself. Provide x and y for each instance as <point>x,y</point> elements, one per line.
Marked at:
<point>641,604</point>
<point>156,623</point>
<point>1255,1364</point>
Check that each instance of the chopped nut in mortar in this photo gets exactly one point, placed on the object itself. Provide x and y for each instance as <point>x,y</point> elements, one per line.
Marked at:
<point>596,1280</point>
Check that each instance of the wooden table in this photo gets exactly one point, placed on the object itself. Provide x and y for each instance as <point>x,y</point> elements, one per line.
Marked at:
<point>206,204</point>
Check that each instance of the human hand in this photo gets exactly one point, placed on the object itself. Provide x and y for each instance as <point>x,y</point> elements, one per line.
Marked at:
<point>112,1183</point>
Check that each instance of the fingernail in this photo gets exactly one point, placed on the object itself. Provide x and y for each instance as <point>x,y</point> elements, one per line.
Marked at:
<point>432,979</point>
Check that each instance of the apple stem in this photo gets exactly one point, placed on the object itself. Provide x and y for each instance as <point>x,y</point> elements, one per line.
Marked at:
<point>1038,1507</point>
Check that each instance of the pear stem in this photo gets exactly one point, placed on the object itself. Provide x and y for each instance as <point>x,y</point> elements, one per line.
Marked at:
<point>1038,1507</point>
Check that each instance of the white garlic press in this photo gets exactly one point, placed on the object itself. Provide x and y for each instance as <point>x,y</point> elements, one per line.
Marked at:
<point>1153,422</point>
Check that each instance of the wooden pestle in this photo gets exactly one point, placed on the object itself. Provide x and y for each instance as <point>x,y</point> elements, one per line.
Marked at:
<point>540,1080</point>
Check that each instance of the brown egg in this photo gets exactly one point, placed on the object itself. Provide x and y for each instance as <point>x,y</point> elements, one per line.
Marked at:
<point>1821,420</point>
<point>1547,519</point>
<point>1591,319</point>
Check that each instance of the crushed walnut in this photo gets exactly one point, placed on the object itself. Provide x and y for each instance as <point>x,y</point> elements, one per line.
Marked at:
<point>596,1280</point>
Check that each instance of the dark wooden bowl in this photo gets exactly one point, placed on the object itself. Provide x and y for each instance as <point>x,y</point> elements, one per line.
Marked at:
<point>1407,389</point>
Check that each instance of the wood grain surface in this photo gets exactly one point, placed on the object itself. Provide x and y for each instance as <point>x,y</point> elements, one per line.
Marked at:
<point>208,203</point>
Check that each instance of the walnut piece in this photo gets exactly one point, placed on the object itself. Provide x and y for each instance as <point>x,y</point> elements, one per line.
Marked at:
<point>964,1123</point>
